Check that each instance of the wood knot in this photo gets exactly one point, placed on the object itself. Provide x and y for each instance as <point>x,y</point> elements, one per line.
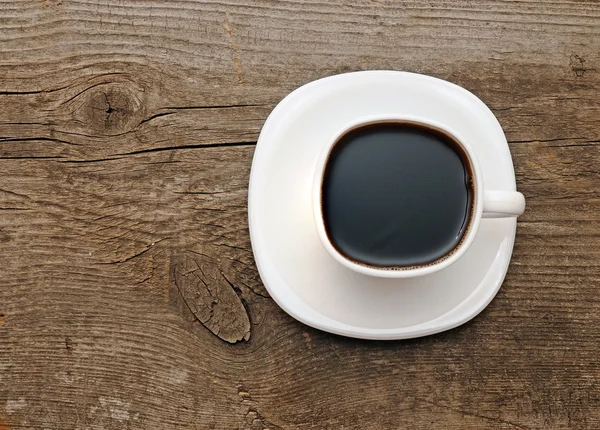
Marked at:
<point>577,64</point>
<point>112,109</point>
<point>211,297</point>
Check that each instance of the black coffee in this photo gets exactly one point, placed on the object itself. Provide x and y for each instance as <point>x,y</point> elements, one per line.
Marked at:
<point>396,195</point>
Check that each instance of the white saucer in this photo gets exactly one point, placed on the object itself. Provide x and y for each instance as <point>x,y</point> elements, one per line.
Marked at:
<point>299,273</point>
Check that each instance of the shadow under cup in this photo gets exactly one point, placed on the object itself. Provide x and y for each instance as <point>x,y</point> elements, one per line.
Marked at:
<point>397,195</point>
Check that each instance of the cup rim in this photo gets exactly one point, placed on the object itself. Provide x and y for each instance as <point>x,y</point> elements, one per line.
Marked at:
<point>397,272</point>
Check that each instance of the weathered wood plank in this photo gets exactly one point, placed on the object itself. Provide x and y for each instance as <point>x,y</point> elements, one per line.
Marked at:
<point>126,135</point>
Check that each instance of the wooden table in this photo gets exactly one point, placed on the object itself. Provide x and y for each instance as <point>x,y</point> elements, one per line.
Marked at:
<point>127,130</point>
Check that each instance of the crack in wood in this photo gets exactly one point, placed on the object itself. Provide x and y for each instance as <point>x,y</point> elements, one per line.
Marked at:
<point>135,255</point>
<point>38,139</point>
<point>212,299</point>
<point>95,160</point>
<point>202,193</point>
<point>240,295</point>
<point>206,107</point>
<point>157,115</point>
<point>558,139</point>
<point>84,90</point>
<point>13,193</point>
<point>253,418</point>
<point>33,157</point>
<point>199,146</point>
<point>590,143</point>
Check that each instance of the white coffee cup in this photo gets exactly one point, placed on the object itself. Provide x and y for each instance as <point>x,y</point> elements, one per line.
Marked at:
<point>486,203</point>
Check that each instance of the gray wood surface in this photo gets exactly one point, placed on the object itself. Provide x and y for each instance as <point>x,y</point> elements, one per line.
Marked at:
<point>127,130</point>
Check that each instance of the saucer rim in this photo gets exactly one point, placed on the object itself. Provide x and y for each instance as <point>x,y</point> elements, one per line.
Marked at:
<point>404,332</point>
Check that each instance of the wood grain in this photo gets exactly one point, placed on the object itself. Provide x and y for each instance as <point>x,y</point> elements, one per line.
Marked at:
<point>127,130</point>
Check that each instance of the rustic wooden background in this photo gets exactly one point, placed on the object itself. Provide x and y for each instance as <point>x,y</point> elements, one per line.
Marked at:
<point>127,129</point>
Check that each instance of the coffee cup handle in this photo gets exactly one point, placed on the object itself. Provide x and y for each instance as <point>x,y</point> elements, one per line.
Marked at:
<point>502,204</point>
